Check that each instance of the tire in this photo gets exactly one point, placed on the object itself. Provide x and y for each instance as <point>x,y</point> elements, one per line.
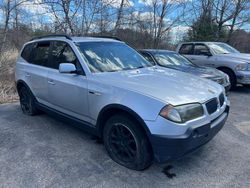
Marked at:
<point>126,143</point>
<point>232,77</point>
<point>27,102</point>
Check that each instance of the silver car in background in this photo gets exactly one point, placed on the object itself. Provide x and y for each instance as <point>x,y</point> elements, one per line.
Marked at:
<point>221,56</point>
<point>143,113</point>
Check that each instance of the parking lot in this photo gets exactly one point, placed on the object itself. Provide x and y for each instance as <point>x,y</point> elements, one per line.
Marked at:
<point>41,151</point>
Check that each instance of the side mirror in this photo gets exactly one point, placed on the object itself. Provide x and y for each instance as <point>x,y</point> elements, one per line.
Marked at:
<point>67,68</point>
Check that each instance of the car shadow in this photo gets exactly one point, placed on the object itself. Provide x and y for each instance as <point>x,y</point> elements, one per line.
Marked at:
<point>241,89</point>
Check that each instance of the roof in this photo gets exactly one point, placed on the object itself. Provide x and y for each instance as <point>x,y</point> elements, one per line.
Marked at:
<point>200,42</point>
<point>78,39</point>
<point>155,50</point>
<point>94,39</point>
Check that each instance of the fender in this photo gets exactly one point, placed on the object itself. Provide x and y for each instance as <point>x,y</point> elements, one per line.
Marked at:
<point>111,109</point>
<point>20,83</point>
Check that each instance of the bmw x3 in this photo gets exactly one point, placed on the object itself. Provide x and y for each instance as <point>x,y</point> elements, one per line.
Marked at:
<point>143,113</point>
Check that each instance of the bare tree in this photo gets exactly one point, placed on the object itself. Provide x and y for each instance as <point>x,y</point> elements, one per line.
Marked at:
<point>162,23</point>
<point>65,12</point>
<point>229,13</point>
<point>240,15</point>
<point>8,7</point>
<point>119,14</point>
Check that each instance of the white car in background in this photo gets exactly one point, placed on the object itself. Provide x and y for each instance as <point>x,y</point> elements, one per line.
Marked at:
<point>221,56</point>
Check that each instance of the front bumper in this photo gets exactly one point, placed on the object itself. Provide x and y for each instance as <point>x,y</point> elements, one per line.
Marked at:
<point>243,77</point>
<point>174,147</point>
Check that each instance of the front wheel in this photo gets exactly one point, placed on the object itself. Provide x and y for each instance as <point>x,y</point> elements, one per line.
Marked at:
<point>126,143</point>
<point>232,77</point>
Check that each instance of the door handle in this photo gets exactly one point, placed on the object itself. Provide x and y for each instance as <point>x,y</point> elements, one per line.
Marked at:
<point>51,82</point>
<point>95,93</point>
<point>27,75</point>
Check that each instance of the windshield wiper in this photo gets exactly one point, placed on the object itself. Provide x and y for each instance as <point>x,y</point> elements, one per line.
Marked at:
<point>127,68</point>
<point>140,67</point>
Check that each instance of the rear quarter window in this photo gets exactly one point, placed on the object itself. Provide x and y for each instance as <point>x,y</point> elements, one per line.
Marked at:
<point>26,53</point>
<point>40,53</point>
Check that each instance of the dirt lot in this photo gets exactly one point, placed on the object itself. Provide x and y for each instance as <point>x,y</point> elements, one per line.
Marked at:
<point>43,152</point>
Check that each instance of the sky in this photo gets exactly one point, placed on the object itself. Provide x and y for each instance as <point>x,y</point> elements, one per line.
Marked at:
<point>139,6</point>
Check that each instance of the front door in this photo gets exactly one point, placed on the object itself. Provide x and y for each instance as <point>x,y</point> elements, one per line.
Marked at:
<point>68,93</point>
<point>201,56</point>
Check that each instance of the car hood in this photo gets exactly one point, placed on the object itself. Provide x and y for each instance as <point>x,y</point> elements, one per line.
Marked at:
<point>237,56</point>
<point>166,85</point>
<point>204,72</point>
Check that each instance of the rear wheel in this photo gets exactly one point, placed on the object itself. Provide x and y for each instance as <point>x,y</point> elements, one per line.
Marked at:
<point>126,143</point>
<point>232,77</point>
<point>27,101</point>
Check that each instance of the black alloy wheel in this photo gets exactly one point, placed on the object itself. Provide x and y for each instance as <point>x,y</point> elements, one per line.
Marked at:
<point>127,143</point>
<point>122,142</point>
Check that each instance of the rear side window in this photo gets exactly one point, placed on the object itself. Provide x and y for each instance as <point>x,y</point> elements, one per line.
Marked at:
<point>26,53</point>
<point>40,53</point>
<point>186,49</point>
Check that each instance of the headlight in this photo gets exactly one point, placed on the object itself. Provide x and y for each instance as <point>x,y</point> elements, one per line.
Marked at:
<point>183,113</point>
<point>242,67</point>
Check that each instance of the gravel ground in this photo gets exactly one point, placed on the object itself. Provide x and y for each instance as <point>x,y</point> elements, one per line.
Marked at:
<point>41,151</point>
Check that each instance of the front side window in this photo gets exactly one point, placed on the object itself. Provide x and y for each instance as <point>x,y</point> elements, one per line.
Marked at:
<point>201,49</point>
<point>61,53</point>
<point>111,56</point>
<point>171,59</point>
<point>40,53</point>
<point>186,49</point>
<point>222,48</point>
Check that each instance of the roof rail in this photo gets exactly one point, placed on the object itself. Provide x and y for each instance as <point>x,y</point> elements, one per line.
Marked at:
<point>55,35</point>
<point>108,37</point>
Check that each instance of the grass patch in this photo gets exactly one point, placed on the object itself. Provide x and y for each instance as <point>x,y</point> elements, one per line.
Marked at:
<point>8,91</point>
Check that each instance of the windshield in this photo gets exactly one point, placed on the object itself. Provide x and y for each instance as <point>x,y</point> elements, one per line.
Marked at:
<point>222,48</point>
<point>171,59</point>
<point>111,56</point>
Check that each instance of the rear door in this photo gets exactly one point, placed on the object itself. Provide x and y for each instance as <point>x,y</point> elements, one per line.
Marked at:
<point>68,93</point>
<point>35,72</point>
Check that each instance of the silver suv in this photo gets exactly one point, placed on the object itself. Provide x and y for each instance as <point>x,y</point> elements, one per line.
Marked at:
<point>141,112</point>
<point>221,56</point>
